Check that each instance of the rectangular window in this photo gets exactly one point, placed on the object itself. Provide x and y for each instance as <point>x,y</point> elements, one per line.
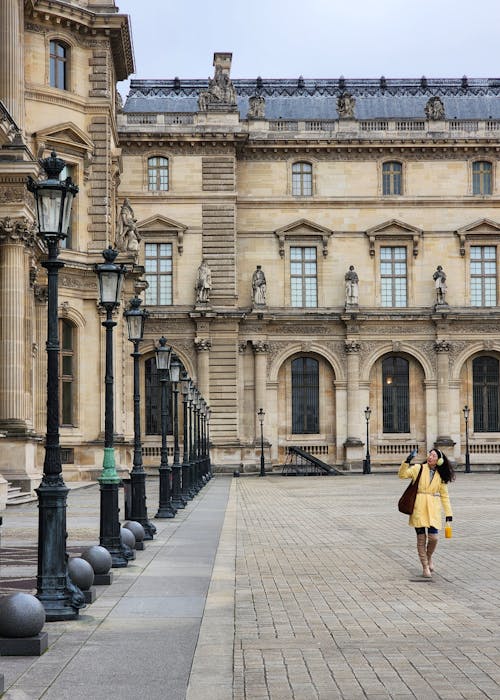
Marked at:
<point>481,177</point>
<point>58,63</point>
<point>483,275</point>
<point>393,276</point>
<point>303,277</point>
<point>391,178</point>
<point>158,265</point>
<point>302,179</point>
<point>66,372</point>
<point>158,174</point>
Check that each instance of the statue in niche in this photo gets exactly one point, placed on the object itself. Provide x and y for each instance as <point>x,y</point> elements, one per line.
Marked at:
<point>256,107</point>
<point>220,91</point>
<point>439,278</point>
<point>434,109</point>
<point>345,106</point>
<point>127,236</point>
<point>259,287</point>
<point>203,283</point>
<point>351,287</point>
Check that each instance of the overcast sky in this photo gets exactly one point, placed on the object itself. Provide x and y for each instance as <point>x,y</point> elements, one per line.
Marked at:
<point>316,38</point>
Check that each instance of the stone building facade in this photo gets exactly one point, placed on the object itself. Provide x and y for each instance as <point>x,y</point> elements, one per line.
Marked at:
<point>349,231</point>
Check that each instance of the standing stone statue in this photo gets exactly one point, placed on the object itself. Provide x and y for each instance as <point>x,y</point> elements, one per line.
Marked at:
<point>127,237</point>
<point>434,109</point>
<point>439,278</point>
<point>345,106</point>
<point>203,283</point>
<point>351,287</point>
<point>259,287</point>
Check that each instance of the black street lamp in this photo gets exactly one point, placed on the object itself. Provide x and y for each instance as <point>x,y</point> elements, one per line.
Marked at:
<point>367,466</point>
<point>110,278</point>
<point>165,507</point>
<point>175,374</point>
<point>53,199</point>
<point>195,487</point>
<point>209,463</point>
<point>261,413</point>
<point>136,319</point>
<point>466,411</point>
<point>187,495</point>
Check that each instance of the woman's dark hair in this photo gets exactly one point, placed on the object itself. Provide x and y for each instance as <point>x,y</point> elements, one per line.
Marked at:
<point>445,471</point>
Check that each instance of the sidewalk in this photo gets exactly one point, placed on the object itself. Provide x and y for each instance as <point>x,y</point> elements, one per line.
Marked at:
<point>282,589</point>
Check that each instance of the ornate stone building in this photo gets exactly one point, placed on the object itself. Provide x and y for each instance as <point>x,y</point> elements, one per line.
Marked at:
<point>311,247</point>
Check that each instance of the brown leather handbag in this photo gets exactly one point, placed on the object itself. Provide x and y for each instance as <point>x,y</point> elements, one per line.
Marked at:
<point>406,503</point>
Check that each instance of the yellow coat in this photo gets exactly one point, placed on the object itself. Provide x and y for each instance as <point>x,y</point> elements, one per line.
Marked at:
<point>431,495</point>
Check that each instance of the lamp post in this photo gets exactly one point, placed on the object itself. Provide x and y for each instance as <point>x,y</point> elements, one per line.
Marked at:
<point>466,411</point>
<point>165,507</point>
<point>260,414</point>
<point>186,476</point>
<point>209,464</point>
<point>367,467</point>
<point>53,199</point>
<point>192,438</point>
<point>136,319</point>
<point>110,278</point>
<point>175,373</point>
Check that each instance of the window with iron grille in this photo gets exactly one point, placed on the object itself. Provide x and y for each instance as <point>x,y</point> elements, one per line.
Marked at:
<point>158,265</point>
<point>481,177</point>
<point>303,277</point>
<point>305,395</point>
<point>66,372</point>
<point>483,275</point>
<point>58,73</point>
<point>302,179</point>
<point>158,174</point>
<point>485,391</point>
<point>392,173</point>
<point>393,276</point>
<point>395,395</point>
<point>153,399</point>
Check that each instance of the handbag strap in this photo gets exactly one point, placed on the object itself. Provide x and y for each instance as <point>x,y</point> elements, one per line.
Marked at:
<point>419,474</point>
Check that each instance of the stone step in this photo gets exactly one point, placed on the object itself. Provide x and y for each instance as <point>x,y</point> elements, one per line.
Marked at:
<point>16,497</point>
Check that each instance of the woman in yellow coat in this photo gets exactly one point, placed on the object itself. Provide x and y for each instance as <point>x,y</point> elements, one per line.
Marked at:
<point>432,494</point>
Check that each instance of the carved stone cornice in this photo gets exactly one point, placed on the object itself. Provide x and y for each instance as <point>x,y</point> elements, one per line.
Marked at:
<point>17,230</point>
<point>202,344</point>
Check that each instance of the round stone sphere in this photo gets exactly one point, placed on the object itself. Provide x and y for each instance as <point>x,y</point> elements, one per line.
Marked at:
<point>136,529</point>
<point>98,557</point>
<point>21,615</point>
<point>81,573</point>
<point>127,537</point>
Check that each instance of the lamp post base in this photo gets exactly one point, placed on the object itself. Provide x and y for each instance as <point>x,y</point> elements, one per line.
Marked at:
<point>138,510</point>
<point>109,536</point>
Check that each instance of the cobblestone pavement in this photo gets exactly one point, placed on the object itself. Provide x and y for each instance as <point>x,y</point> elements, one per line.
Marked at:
<point>329,602</point>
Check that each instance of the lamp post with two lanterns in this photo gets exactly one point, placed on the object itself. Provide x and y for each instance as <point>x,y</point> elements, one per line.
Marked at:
<point>53,200</point>
<point>260,414</point>
<point>136,319</point>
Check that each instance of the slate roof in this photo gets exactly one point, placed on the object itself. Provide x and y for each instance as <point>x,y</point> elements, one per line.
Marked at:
<point>317,99</point>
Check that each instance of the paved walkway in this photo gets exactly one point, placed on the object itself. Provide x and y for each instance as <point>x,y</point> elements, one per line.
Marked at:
<point>283,589</point>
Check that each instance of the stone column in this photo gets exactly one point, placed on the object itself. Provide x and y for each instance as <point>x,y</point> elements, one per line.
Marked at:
<point>12,59</point>
<point>260,349</point>
<point>353,444</point>
<point>15,357</point>
<point>442,348</point>
<point>203,346</point>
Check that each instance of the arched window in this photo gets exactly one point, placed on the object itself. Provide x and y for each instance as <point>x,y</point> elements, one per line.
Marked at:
<point>158,174</point>
<point>395,395</point>
<point>59,54</point>
<point>481,177</point>
<point>485,392</point>
<point>305,395</point>
<point>153,400</point>
<point>67,372</point>
<point>302,179</point>
<point>392,173</point>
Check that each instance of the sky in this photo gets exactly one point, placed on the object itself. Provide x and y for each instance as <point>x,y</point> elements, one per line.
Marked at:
<point>315,38</point>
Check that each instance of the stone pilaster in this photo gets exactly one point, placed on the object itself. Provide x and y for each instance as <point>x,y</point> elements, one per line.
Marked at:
<point>203,346</point>
<point>12,59</point>
<point>442,348</point>
<point>260,349</point>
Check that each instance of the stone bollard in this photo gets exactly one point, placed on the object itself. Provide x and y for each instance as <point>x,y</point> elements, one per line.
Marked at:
<point>22,617</point>
<point>82,574</point>
<point>100,560</point>
<point>138,531</point>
